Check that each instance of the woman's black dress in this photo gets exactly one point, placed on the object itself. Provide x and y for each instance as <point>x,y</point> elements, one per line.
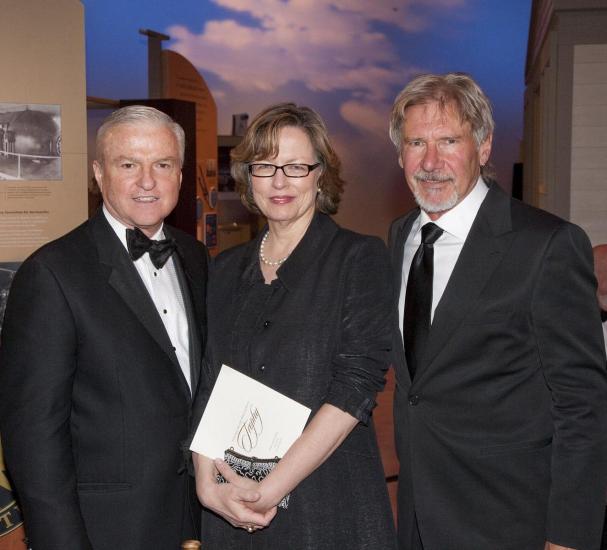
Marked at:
<point>320,333</point>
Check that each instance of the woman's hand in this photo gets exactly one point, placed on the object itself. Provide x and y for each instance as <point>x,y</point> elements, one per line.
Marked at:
<point>325,432</point>
<point>264,504</point>
<point>232,477</point>
<point>231,500</point>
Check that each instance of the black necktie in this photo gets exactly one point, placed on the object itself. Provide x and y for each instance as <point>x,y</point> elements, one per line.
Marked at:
<point>138,244</point>
<point>418,298</point>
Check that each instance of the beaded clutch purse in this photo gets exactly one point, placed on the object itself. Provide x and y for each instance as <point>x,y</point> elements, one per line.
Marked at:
<point>251,467</point>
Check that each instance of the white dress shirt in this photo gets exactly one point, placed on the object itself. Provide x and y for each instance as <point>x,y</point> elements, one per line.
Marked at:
<point>456,224</point>
<point>163,287</point>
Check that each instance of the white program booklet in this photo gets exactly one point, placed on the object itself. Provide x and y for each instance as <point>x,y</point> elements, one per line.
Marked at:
<point>246,415</point>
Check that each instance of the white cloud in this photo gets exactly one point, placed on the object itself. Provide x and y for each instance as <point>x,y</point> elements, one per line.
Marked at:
<point>327,45</point>
<point>371,117</point>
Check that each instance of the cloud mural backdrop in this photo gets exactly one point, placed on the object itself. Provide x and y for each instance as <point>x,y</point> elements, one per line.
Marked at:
<point>345,58</point>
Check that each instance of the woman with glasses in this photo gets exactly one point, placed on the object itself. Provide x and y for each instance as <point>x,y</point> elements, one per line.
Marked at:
<point>305,309</point>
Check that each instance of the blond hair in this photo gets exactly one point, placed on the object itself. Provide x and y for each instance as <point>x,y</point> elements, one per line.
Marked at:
<point>261,142</point>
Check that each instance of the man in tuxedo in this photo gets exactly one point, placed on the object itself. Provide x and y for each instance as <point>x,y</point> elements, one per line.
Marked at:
<point>100,356</point>
<point>501,398</point>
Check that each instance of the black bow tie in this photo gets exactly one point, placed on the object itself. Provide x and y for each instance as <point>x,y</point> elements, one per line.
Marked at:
<point>603,315</point>
<point>138,244</point>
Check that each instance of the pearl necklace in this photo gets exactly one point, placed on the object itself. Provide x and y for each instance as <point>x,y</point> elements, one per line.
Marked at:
<point>264,260</point>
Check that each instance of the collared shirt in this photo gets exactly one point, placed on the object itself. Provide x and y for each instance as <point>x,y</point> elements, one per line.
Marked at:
<point>456,224</point>
<point>163,287</point>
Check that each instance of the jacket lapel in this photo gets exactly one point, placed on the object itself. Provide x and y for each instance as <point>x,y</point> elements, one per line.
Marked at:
<point>316,239</point>
<point>125,280</point>
<point>489,238</point>
<point>192,281</point>
<point>396,244</point>
<point>397,248</point>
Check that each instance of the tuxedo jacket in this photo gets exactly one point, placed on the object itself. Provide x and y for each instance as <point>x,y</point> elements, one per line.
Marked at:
<point>501,434</point>
<point>93,403</point>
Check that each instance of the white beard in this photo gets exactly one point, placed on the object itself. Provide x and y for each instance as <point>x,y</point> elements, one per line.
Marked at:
<point>426,204</point>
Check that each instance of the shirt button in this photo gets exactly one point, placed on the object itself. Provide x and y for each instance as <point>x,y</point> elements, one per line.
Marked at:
<point>164,311</point>
<point>262,368</point>
<point>413,400</point>
<point>266,324</point>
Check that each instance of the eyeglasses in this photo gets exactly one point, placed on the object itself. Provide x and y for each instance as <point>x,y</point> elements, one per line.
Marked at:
<point>289,170</point>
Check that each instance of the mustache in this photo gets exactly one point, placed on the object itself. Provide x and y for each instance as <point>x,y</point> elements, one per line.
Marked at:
<point>422,176</point>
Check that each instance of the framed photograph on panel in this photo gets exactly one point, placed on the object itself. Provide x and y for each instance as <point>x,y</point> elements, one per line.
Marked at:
<point>30,142</point>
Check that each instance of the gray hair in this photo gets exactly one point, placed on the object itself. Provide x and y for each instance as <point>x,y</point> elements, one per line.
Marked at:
<point>139,114</point>
<point>457,89</point>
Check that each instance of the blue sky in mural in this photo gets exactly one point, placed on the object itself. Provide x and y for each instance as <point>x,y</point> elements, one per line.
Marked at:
<point>345,58</point>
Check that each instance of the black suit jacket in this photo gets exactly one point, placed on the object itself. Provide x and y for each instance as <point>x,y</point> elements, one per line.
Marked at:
<point>93,403</point>
<point>501,435</point>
